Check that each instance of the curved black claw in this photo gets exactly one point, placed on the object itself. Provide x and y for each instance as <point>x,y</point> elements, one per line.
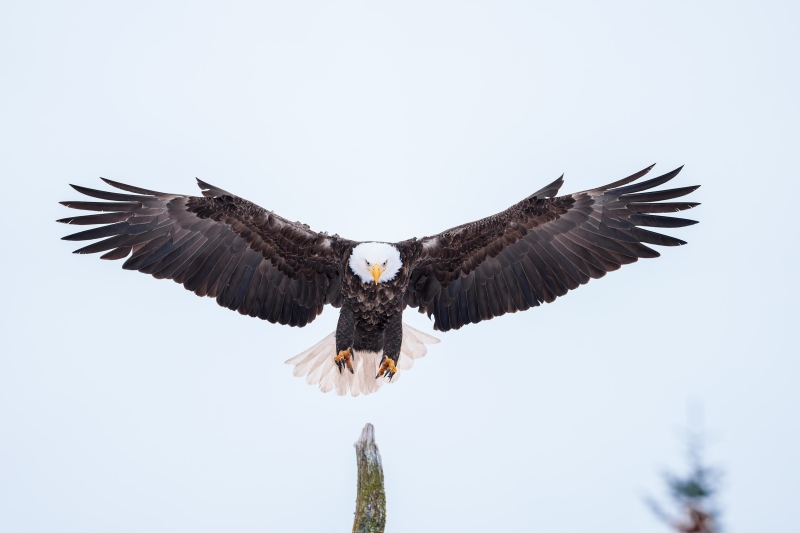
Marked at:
<point>343,360</point>
<point>387,369</point>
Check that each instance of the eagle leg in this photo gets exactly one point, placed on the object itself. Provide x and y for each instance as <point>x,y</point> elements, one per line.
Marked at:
<point>344,359</point>
<point>345,333</point>
<point>387,368</point>
<point>392,343</point>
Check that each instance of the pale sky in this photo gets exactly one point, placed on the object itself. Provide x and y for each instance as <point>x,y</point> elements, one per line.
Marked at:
<point>128,404</point>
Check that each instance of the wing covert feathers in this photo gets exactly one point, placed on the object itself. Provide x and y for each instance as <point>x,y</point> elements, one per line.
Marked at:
<point>541,248</point>
<point>218,245</point>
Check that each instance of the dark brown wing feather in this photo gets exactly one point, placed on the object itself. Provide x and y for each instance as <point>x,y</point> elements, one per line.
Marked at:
<point>540,248</point>
<point>217,245</point>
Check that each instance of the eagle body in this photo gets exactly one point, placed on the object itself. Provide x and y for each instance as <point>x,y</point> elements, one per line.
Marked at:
<point>260,264</point>
<point>374,309</point>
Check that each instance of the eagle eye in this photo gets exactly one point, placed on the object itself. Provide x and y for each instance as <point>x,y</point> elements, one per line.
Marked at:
<point>367,262</point>
<point>385,262</point>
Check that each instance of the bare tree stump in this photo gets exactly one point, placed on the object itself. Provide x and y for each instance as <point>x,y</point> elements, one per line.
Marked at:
<point>370,496</point>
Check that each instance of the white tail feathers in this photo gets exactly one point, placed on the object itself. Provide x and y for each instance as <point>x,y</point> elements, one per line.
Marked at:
<point>318,366</point>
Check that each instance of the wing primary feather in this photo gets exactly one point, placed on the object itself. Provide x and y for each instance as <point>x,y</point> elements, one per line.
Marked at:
<point>640,250</point>
<point>549,190</point>
<point>106,195</point>
<point>649,184</point>
<point>652,237</point>
<point>670,207</point>
<point>131,188</point>
<point>101,246</point>
<point>119,228</point>
<point>88,220</point>
<point>655,221</point>
<point>97,233</point>
<point>119,253</point>
<point>624,181</point>
<point>210,191</point>
<point>593,236</point>
<point>657,196</point>
<point>102,206</point>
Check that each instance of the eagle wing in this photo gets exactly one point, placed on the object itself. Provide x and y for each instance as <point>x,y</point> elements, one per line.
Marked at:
<point>540,248</point>
<point>217,245</point>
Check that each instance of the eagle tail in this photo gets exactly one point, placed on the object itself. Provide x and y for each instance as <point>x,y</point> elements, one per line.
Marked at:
<point>318,367</point>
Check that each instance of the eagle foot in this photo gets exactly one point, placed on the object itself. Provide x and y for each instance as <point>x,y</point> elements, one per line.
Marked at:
<point>344,360</point>
<point>387,369</point>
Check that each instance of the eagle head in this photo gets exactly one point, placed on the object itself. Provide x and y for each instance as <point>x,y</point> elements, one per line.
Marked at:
<point>375,262</point>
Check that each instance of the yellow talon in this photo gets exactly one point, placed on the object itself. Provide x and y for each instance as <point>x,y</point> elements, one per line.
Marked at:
<point>387,368</point>
<point>344,360</point>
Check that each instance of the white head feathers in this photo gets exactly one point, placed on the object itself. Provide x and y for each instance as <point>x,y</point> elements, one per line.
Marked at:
<point>371,259</point>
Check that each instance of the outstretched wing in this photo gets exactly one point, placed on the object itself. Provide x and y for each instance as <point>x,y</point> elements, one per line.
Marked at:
<point>216,245</point>
<point>540,248</point>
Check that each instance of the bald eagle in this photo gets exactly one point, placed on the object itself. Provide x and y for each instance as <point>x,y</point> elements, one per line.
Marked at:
<point>262,265</point>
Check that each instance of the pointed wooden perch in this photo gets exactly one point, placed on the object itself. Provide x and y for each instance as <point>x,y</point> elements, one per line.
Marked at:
<point>370,496</point>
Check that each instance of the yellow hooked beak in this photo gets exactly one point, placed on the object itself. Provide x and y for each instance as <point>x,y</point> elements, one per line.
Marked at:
<point>376,272</point>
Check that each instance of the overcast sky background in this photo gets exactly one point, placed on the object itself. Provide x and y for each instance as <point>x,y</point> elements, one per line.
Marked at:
<point>128,404</point>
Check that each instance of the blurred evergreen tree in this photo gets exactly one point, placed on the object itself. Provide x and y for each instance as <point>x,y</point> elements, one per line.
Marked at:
<point>692,495</point>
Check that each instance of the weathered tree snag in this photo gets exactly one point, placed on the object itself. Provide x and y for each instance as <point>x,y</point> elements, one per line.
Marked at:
<point>370,496</point>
